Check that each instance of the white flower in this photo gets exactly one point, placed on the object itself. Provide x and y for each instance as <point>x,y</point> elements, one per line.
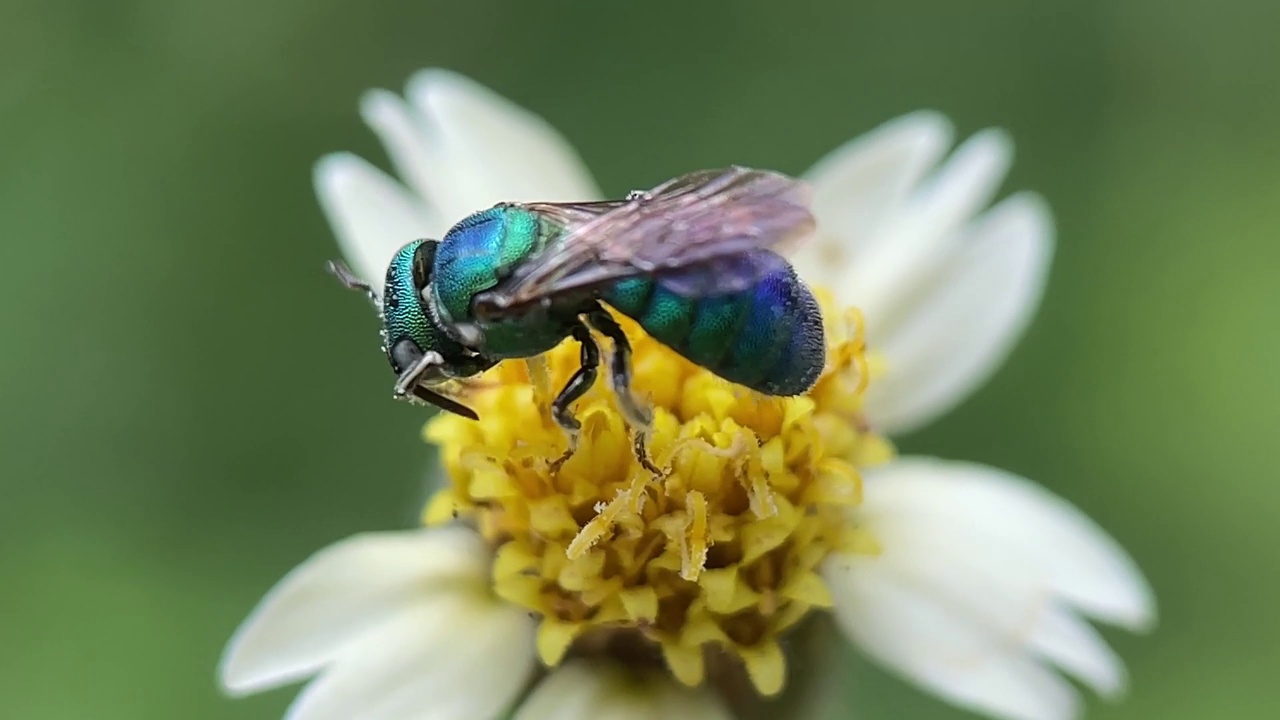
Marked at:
<point>397,624</point>
<point>946,291</point>
<point>945,286</point>
<point>579,690</point>
<point>403,625</point>
<point>983,581</point>
<point>459,148</point>
<point>982,585</point>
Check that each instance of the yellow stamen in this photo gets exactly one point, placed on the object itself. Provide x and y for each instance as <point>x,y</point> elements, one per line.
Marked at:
<point>599,525</point>
<point>719,549</point>
<point>693,556</point>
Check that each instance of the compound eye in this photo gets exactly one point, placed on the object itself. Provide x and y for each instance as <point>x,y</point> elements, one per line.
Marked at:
<point>423,258</point>
<point>404,354</point>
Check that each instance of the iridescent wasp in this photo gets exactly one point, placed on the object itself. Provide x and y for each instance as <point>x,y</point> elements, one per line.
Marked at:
<point>689,260</point>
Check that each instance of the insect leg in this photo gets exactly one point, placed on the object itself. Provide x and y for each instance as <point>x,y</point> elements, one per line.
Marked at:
<point>409,377</point>
<point>351,282</point>
<point>620,373</point>
<point>620,366</point>
<point>578,385</point>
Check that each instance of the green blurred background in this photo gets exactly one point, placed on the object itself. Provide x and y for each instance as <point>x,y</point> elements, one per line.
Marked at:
<point>191,406</point>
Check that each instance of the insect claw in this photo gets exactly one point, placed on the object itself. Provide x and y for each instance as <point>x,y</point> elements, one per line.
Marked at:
<point>642,455</point>
<point>568,453</point>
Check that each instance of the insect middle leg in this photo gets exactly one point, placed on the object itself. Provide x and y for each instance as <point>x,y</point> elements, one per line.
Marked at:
<point>578,385</point>
<point>620,374</point>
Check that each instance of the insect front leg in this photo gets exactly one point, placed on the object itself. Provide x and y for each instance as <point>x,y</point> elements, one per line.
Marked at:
<point>409,378</point>
<point>620,374</point>
<point>578,385</point>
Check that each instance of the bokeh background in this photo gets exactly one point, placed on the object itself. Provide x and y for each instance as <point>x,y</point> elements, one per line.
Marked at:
<point>190,406</point>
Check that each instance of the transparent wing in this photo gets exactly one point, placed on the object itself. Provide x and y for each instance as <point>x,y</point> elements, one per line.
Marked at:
<point>696,234</point>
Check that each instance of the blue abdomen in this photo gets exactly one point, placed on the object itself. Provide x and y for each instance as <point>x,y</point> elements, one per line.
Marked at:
<point>768,337</point>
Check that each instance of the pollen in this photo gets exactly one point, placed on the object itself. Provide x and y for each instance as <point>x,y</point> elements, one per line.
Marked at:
<point>713,557</point>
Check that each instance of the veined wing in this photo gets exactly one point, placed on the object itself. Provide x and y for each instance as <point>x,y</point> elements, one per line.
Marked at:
<point>696,230</point>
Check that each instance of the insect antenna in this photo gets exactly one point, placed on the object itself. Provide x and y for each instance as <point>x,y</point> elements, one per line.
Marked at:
<point>349,280</point>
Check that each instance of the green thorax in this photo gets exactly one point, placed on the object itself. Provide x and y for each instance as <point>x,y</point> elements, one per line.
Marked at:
<point>474,256</point>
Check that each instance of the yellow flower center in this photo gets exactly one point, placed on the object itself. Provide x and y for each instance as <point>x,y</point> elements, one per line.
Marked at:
<point>719,551</point>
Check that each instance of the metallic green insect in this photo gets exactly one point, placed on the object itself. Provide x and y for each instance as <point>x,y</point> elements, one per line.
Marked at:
<point>689,260</point>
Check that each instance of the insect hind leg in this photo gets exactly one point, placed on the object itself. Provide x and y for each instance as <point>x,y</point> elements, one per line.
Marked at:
<point>636,414</point>
<point>578,385</point>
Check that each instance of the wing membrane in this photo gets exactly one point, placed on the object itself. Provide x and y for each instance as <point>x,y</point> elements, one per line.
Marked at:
<point>695,231</point>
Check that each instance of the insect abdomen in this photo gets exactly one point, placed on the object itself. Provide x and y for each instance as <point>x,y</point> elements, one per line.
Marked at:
<point>768,337</point>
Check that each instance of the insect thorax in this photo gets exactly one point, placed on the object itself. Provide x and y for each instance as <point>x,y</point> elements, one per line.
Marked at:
<point>474,256</point>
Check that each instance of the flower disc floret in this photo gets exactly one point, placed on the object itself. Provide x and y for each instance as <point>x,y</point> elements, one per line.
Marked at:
<point>719,551</point>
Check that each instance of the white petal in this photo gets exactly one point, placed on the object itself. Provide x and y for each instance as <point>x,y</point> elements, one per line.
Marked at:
<point>1012,602</point>
<point>1070,642</point>
<point>888,281</point>
<point>861,186</point>
<point>1011,524</point>
<point>580,690</point>
<point>980,578</point>
<point>938,645</point>
<point>371,214</point>
<point>960,329</point>
<point>407,137</point>
<point>451,183</point>
<point>343,593</point>
<point>496,151</point>
<point>463,656</point>
<point>676,701</point>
